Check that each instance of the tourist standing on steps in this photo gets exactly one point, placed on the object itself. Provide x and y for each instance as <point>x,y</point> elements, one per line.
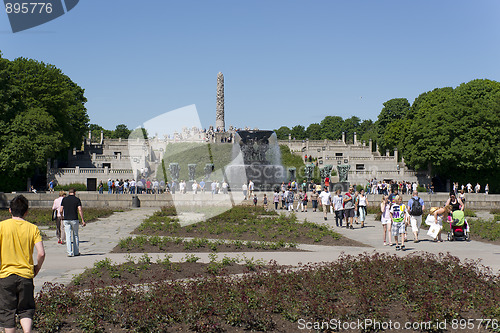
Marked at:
<point>71,206</point>
<point>18,238</point>
<point>326,200</point>
<point>385,219</point>
<point>349,208</point>
<point>60,233</point>
<point>415,208</point>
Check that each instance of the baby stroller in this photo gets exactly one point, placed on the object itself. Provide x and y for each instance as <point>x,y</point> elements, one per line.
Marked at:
<point>459,227</point>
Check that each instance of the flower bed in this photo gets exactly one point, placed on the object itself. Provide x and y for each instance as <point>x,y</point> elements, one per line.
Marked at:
<point>420,288</point>
<point>249,224</point>
<point>155,244</point>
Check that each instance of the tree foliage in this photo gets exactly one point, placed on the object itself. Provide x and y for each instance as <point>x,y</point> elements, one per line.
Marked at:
<point>394,110</point>
<point>121,131</point>
<point>313,132</point>
<point>42,113</point>
<point>298,132</point>
<point>456,132</point>
<point>283,132</point>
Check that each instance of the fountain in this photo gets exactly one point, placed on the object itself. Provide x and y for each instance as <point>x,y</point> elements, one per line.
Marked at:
<point>256,157</point>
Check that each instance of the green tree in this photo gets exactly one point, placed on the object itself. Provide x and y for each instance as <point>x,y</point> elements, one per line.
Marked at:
<point>96,132</point>
<point>298,132</point>
<point>331,127</point>
<point>367,131</point>
<point>121,131</point>
<point>42,114</point>
<point>349,126</point>
<point>313,132</point>
<point>394,109</point>
<point>283,132</point>
<point>456,133</point>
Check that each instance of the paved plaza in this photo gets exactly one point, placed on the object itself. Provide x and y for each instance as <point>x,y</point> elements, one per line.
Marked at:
<point>97,240</point>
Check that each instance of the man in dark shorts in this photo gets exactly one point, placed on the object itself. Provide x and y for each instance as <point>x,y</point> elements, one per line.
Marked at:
<point>18,238</point>
<point>71,206</point>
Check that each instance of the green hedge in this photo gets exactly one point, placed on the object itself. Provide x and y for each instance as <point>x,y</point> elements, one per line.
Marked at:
<point>76,186</point>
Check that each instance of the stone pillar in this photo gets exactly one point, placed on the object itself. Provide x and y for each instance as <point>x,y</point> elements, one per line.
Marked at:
<point>102,138</point>
<point>355,138</point>
<point>387,152</point>
<point>370,144</point>
<point>219,117</point>
<point>343,137</point>
<point>396,154</point>
<point>90,136</point>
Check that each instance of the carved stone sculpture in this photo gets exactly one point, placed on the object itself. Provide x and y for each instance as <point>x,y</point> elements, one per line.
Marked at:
<point>343,171</point>
<point>219,117</point>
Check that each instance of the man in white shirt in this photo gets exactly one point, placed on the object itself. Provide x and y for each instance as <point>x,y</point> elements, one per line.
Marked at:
<point>251,187</point>
<point>325,201</point>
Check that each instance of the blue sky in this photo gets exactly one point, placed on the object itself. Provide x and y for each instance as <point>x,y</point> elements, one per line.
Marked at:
<point>285,62</point>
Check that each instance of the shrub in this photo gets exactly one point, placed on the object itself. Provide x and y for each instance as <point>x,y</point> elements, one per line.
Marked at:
<point>421,188</point>
<point>76,186</point>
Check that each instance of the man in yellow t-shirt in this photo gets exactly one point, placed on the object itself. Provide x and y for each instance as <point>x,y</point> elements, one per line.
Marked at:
<point>18,238</point>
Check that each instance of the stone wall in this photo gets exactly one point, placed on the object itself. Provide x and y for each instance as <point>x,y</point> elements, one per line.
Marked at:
<point>92,199</point>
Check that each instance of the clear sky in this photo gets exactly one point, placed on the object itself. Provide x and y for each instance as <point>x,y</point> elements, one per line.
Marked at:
<point>285,62</point>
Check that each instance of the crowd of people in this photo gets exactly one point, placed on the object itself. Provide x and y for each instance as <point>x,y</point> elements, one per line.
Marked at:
<point>147,186</point>
<point>398,219</point>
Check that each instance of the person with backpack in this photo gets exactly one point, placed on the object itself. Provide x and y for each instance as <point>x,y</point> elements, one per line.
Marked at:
<point>415,207</point>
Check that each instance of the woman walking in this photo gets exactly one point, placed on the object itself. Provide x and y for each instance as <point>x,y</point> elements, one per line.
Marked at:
<point>276,199</point>
<point>385,207</point>
<point>362,204</point>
